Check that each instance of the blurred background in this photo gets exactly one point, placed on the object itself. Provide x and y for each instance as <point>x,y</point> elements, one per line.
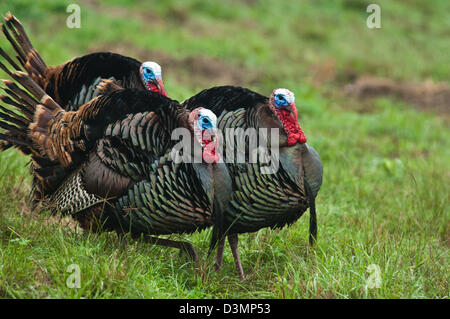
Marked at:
<point>375,103</point>
<point>302,45</point>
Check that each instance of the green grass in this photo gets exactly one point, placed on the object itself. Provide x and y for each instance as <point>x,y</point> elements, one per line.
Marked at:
<point>385,196</point>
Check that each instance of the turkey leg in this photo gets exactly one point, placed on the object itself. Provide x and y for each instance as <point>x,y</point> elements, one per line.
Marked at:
<point>233,241</point>
<point>219,258</point>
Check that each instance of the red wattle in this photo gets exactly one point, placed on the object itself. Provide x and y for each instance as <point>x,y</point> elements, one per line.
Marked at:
<point>209,150</point>
<point>161,89</point>
<point>291,126</point>
<point>152,87</point>
<point>302,138</point>
<point>210,157</point>
<point>293,138</point>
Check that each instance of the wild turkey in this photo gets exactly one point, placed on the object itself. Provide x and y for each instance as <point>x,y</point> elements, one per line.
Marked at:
<point>124,176</point>
<point>72,84</point>
<point>263,200</point>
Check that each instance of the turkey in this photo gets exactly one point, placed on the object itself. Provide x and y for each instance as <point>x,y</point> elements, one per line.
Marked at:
<point>72,84</point>
<point>124,175</point>
<point>263,200</point>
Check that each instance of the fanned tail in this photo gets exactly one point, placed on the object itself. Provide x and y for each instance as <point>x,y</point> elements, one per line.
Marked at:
<point>16,113</point>
<point>30,130</point>
<point>27,117</point>
<point>27,57</point>
<point>19,107</point>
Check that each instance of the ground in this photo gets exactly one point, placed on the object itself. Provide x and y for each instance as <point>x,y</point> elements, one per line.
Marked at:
<point>373,102</point>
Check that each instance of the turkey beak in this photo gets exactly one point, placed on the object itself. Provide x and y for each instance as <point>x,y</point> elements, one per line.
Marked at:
<point>159,83</point>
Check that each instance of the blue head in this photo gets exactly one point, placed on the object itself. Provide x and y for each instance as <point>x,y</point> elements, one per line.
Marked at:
<point>207,120</point>
<point>204,125</point>
<point>283,98</point>
<point>151,76</point>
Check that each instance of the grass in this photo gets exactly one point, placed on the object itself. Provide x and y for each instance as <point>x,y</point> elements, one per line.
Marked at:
<point>385,197</point>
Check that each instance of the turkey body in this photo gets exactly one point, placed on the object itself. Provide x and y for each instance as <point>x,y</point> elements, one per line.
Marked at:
<point>73,83</point>
<point>123,176</point>
<point>261,200</point>
<point>264,200</point>
<point>130,173</point>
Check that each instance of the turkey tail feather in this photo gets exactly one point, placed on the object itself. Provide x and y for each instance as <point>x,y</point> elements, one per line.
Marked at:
<point>15,124</point>
<point>10,61</point>
<point>25,107</point>
<point>27,56</point>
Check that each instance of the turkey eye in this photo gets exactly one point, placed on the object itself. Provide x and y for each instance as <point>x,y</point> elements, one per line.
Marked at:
<point>147,70</point>
<point>205,120</point>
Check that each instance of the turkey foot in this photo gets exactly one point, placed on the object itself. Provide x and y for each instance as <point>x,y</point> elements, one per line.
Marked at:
<point>233,241</point>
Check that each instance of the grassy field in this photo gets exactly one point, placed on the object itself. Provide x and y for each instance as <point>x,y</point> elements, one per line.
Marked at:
<point>386,158</point>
